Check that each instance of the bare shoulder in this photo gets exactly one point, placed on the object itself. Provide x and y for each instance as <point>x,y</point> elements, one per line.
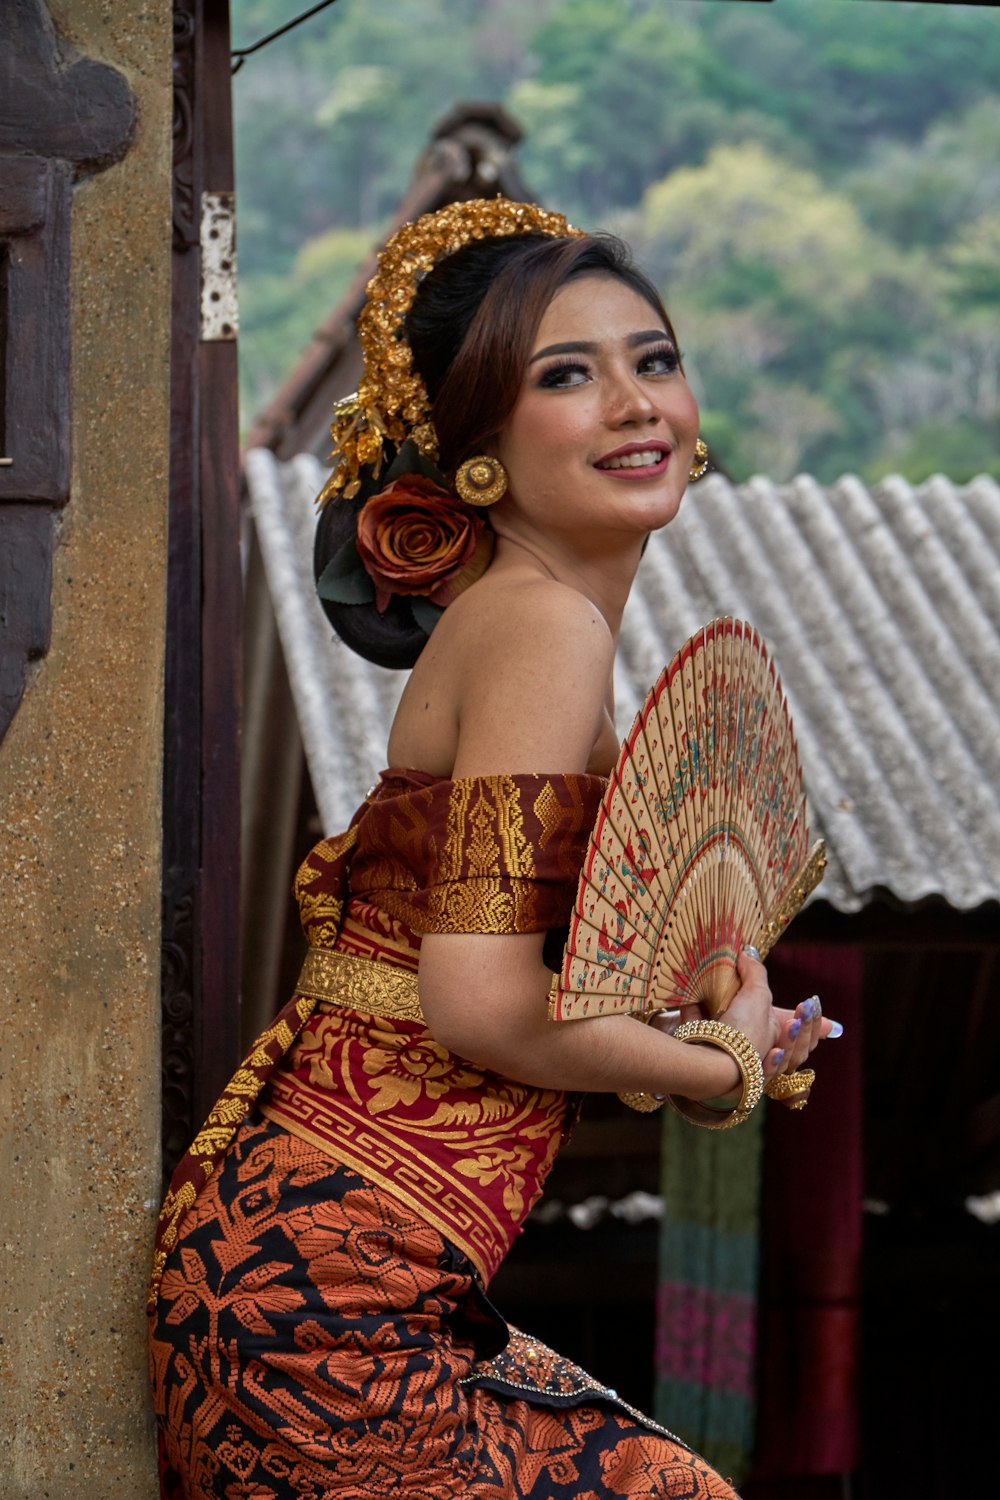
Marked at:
<point>530,661</point>
<point>513,623</point>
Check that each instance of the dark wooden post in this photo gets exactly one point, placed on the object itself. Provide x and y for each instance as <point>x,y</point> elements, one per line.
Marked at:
<point>201,866</point>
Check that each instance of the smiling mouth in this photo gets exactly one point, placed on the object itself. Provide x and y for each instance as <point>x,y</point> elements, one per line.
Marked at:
<point>645,458</point>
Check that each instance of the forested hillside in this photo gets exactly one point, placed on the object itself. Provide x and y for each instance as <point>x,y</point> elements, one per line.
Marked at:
<point>815,185</point>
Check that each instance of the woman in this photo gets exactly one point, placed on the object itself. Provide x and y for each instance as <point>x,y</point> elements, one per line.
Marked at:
<point>319,1321</point>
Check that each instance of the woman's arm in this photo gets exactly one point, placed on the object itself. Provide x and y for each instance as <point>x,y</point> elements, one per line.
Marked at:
<point>533,677</point>
<point>485,998</point>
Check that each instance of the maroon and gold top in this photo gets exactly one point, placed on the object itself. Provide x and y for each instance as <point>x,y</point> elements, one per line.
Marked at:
<point>478,854</point>
<point>356,1073</point>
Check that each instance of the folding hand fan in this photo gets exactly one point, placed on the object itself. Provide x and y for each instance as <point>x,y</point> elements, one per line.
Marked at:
<point>701,844</point>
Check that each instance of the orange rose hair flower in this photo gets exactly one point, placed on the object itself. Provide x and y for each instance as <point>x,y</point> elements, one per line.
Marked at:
<point>415,538</point>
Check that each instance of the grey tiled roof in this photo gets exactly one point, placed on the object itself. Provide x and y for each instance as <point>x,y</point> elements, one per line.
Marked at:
<point>881,607</point>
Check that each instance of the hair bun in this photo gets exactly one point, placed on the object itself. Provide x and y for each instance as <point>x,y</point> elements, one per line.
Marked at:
<point>390,639</point>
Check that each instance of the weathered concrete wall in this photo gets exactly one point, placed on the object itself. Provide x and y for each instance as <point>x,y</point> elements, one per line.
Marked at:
<point>80,850</point>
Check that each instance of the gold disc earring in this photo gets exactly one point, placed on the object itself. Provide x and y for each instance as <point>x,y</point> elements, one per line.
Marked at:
<point>700,463</point>
<point>481,480</point>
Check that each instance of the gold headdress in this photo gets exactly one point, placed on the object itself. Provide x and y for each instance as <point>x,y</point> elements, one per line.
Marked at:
<point>391,401</point>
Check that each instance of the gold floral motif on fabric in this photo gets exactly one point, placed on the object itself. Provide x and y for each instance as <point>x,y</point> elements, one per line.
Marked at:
<point>465,1148</point>
<point>564,820</point>
<point>484,840</point>
<point>485,834</point>
<point>473,854</point>
<point>550,813</point>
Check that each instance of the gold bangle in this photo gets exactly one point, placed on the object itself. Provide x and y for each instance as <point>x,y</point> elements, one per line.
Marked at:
<point>645,1104</point>
<point>743,1052</point>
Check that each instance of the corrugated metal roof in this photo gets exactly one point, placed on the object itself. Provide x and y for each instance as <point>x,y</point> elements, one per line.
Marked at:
<point>881,607</point>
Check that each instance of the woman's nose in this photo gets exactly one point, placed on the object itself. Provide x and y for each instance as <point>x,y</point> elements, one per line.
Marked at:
<point>629,401</point>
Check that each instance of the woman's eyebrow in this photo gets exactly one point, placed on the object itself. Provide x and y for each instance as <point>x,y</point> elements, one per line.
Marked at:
<point>582,346</point>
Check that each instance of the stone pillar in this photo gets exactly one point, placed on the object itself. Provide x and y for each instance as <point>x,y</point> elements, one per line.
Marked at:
<point>80,840</point>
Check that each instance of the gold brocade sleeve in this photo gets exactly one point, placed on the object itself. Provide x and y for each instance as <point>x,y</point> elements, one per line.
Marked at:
<point>490,854</point>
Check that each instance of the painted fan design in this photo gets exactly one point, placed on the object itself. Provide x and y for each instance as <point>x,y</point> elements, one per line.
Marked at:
<point>701,844</point>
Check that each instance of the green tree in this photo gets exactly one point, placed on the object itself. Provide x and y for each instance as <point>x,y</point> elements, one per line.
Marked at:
<point>816,184</point>
<point>280,313</point>
<point>921,193</point>
<point>792,305</point>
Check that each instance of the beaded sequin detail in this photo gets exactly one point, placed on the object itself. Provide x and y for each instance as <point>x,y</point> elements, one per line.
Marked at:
<point>391,401</point>
<point>530,1368</point>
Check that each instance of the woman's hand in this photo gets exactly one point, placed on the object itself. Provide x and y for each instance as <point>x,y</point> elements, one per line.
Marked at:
<point>784,1038</point>
<point>753,1012</point>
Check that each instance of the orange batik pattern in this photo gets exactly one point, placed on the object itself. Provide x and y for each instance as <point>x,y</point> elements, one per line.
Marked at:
<point>233,1105</point>
<point>315,1340</point>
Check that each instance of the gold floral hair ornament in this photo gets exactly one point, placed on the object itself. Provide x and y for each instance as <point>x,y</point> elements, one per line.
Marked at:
<point>391,401</point>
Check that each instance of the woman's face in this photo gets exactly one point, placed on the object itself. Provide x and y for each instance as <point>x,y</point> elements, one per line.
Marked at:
<point>603,433</point>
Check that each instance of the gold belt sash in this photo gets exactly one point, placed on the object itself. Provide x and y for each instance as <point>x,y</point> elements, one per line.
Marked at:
<point>360,984</point>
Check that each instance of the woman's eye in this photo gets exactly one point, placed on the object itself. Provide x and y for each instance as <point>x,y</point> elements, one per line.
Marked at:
<point>560,376</point>
<point>663,361</point>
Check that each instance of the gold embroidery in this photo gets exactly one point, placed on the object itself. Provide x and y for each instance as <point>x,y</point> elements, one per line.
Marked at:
<point>320,910</point>
<point>484,836</point>
<point>319,907</point>
<point>473,906</point>
<point>481,848</point>
<point>454,849</point>
<point>327,852</point>
<point>549,811</point>
<point>175,1206</point>
<point>361,984</point>
<point>518,853</point>
<point>208,1141</point>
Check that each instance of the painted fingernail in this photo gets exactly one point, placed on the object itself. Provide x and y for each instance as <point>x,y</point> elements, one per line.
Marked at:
<point>778,1055</point>
<point>795,1028</point>
<point>751,951</point>
<point>835,1030</point>
<point>810,1008</point>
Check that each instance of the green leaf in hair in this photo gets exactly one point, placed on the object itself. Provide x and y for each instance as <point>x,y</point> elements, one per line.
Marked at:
<point>344,580</point>
<point>424,612</point>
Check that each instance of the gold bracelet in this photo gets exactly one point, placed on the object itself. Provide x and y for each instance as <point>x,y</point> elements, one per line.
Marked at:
<point>645,1104</point>
<point>743,1052</point>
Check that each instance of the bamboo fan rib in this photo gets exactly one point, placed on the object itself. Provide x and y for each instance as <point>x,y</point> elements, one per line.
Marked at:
<point>701,844</point>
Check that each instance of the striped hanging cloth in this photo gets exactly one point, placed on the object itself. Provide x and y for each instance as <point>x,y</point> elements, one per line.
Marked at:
<point>707,1295</point>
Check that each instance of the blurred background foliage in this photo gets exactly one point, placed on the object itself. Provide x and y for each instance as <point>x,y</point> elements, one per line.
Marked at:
<point>815,185</point>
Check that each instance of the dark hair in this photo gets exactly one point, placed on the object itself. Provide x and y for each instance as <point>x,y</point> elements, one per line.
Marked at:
<point>470,329</point>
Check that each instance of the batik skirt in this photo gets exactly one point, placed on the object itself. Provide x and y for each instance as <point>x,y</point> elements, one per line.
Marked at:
<point>313,1339</point>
